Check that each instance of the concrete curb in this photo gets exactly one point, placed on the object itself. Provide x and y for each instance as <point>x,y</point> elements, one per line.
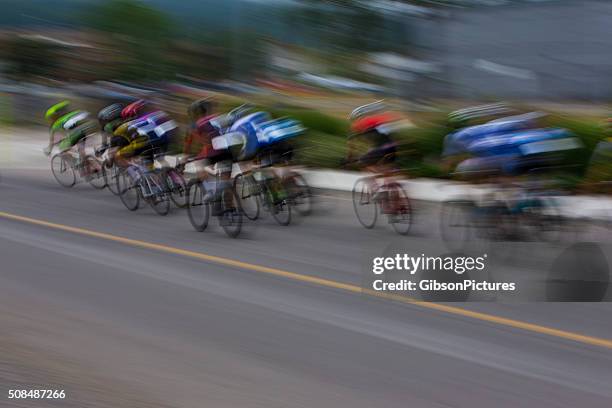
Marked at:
<point>589,207</point>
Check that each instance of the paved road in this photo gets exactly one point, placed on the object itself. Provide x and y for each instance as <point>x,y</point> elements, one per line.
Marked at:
<point>116,324</point>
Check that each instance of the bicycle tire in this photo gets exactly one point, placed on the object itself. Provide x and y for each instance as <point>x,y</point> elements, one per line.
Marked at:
<point>158,200</point>
<point>456,224</point>
<point>401,218</point>
<point>111,179</point>
<point>129,192</point>
<point>176,187</point>
<point>197,207</point>
<point>363,200</point>
<point>98,178</point>
<point>249,193</point>
<point>62,167</point>
<point>231,216</point>
<point>281,212</point>
<point>299,193</point>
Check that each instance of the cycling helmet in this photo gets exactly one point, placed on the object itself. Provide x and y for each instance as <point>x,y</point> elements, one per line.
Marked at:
<point>58,110</point>
<point>367,109</point>
<point>200,108</point>
<point>135,109</point>
<point>110,113</point>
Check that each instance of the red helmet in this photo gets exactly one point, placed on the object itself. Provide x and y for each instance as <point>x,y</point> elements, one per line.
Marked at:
<point>135,109</point>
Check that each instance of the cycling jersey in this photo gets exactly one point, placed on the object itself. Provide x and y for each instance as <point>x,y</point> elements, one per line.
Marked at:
<point>516,152</point>
<point>76,125</point>
<point>152,131</point>
<point>457,142</point>
<point>199,140</point>
<point>372,129</point>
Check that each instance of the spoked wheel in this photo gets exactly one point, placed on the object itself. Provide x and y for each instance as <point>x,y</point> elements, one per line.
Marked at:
<point>299,193</point>
<point>278,202</point>
<point>160,203</point>
<point>111,179</point>
<point>457,224</point>
<point>364,203</point>
<point>177,188</point>
<point>281,212</point>
<point>128,190</point>
<point>231,213</point>
<point>400,214</point>
<point>159,199</point>
<point>63,170</point>
<point>96,173</point>
<point>197,210</point>
<point>543,220</point>
<point>249,194</point>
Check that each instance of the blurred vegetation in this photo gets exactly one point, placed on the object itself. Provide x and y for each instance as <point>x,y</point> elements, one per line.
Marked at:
<point>139,33</point>
<point>420,147</point>
<point>28,59</point>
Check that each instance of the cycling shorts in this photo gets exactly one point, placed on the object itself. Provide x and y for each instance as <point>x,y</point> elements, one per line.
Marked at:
<point>75,135</point>
<point>384,154</point>
<point>141,145</point>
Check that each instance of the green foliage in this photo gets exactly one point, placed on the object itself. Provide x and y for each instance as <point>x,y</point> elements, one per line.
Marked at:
<point>315,120</point>
<point>319,149</point>
<point>28,58</point>
<point>138,32</point>
<point>590,133</point>
<point>130,18</point>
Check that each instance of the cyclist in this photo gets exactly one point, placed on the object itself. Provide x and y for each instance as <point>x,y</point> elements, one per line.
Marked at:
<point>150,131</point>
<point>110,119</point>
<point>73,125</point>
<point>199,148</point>
<point>370,125</point>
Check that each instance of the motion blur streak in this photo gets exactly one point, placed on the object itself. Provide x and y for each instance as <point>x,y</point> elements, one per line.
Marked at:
<point>593,341</point>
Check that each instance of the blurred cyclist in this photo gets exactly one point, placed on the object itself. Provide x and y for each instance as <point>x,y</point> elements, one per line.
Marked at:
<point>198,147</point>
<point>146,134</point>
<point>110,119</point>
<point>371,126</point>
<point>72,125</point>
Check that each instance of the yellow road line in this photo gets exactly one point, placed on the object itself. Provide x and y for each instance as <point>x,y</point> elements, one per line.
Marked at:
<point>531,327</point>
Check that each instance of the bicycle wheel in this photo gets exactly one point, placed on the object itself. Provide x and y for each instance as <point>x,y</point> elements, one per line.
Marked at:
<point>299,193</point>
<point>249,194</point>
<point>231,213</point>
<point>128,190</point>
<point>364,204</point>
<point>111,179</point>
<point>96,172</point>
<point>543,220</point>
<point>281,212</point>
<point>160,204</point>
<point>197,210</point>
<point>176,187</point>
<point>63,170</point>
<point>278,201</point>
<point>159,199</point>
<point>401,208</point>
<point>456,224</point>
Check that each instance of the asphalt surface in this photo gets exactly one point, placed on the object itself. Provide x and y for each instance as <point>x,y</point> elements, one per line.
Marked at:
<point>117,325</point>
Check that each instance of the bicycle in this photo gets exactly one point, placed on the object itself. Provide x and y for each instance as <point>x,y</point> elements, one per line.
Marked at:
<point>532,216</point>
<point>136,182</point>
<point>223,202</point>
<point>256,188</point>
<point>300,194</point>
<point>65,166</point>
<point>175,185</point>
<point>371,198</point>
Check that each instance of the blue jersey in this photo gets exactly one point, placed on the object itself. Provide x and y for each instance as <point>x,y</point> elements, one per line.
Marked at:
<point>458,142</point>
<point>156,127</point>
